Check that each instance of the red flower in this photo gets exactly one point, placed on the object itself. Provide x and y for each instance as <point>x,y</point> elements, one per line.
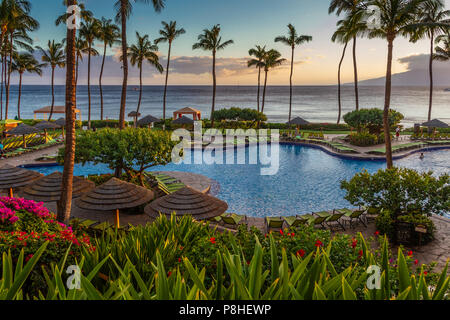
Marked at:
<point>354,243</point>
<point>377,233</point>
<point>213,240</point>
<point>425,273</point>
<point>292,235</point>
<point>410,253</point>
<point>360,254</point>
<point>179,260</point>
<point>318,243</point>
<point>416,262</point>
<point>169,273</point>
<point>301,253</point>
<point>281,232</point>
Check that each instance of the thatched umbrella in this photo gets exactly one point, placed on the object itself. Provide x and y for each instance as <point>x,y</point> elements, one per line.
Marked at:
<point>187,201</point>
<point>61,122</point>
<point>148,120</point>
<point>45,125</point>
<point>23,130</point>
<point>297,122</point>
<point>13,177</point>
<point>183,121</point>
<point>435,123</point>
<point>135,116</point>
<point>49,188</point>
<point>115,195</point>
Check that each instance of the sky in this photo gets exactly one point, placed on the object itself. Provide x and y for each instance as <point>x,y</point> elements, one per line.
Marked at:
<point>247,23</point>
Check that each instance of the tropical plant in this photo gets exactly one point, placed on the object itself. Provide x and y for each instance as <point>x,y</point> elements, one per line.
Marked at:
<point>25,62</point>
<point>143,51</point>
<point>442,52</point>
<point>258,52</point>
<point>355,13</point>
<point>238,114</point>
<point>211,40</point>
<point>292,40</point>
<point>64,205</point>
<point>54,57</point>
<point>168,34</point>
<point>109,34</point>
<point>85,14</point>
<point>371,119</point>
<point>89,32</point>
<point>272,59</point>
<point>433,20</point>
<point>124,10</point>
<point>395,18</point>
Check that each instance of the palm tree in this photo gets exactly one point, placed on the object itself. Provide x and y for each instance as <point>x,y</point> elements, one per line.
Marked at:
<point>351,7</point>
<point>124,10</point>
<point>292,40</point>
<point>168,33</point>
<point>210,40</point>
<point>394,20</point>
<point>345,32</point>
<point>89,32</point>
<point>25,62</point>
<point>65,202</point>
<point>432,20</point>
<point>258,52</point>
<point>143,51</point>
<point>85,15</point>
<point>443,52</point>
<point>109,34</point>
<point>81,47</point>
<point>272,59</point>
<point>54,57</point>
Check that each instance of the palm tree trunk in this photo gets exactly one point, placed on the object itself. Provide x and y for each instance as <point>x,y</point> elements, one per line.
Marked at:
<point>431,77</point>
<point>339,83</point>
<point>20,94</point>
<point>165,86</point>
<point>214,89</point>
<point>76,72</point>
<point>100,81</point>
<point>123,100</point>
<point>65,202</point>
<point>290,84</point>
<point>8,84</point>
<point>264,95</point>
<point>387,102</point>
<point>355,71</point>
<point>89,85</point>
<point>1,90</point>
<point>259,85</point>
<point>140,93</point>
<point>53,93</point>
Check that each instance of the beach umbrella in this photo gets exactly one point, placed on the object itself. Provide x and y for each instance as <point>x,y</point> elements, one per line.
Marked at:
<point>45,125</point>
<point>135,116</point>
<point>61,122</point>
<point>14,177</point>
<point>115,195</point>
<point>187,201</point>
<point>49,188</point>
<point>435,123</point>
<point>23,130</point>
<point>298,122</point>
<point>183,120</point>
<point>148,120</point>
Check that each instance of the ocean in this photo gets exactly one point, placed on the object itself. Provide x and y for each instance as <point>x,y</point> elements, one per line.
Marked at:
<point>313,103</point>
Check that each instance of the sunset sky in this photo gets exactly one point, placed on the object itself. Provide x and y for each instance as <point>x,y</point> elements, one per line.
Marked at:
<point>247,22</point>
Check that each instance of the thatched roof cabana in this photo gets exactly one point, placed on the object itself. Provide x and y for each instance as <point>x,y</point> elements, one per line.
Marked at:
<point>196,114</point>
<point>435,123</point>
<point>45,125</point>
<point>14,177</point>
<point>23,130</point>
<point>56,110</point>
<point>183,120</point>
<point>115,195</point>
<point>147,120</point>
<point>298,122</point>
<point>61,122</point>
<point>187,201</point>
<point>49,188</point>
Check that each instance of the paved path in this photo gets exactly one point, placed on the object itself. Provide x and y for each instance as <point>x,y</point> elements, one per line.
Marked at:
<point>30,157</point>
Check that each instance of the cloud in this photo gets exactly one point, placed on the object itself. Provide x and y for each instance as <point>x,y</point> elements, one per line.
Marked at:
<point>421,62</point>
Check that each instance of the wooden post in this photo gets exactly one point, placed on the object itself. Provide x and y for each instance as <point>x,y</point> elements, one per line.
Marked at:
<point>117,219</point>
<point>11,192</point>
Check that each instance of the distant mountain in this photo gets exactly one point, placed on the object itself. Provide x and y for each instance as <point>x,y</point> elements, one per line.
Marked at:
<point>418,74</point>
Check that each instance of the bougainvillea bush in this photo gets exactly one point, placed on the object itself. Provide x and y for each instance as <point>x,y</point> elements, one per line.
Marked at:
<point>27,225</point>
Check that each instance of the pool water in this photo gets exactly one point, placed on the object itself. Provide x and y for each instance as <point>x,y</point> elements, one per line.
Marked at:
<point>308,179</point>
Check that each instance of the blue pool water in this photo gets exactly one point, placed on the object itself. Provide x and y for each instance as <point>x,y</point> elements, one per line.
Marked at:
<point>308,179</point>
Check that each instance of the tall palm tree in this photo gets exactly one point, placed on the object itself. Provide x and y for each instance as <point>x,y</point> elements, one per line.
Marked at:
<point>292,40</point>
<point>395,18</point>
<point>109,34</point>
<point>345,32</point>
<point>143,51</point>
<point>124,10</point>
<point>443,51</point>
<point>168,34</point>
<point>25,62</point>
<point>81,48</point>
<point>54,57</point>
<point>272,59</point>
<point>433,20</point>
<point>89,32</point>
<point>211,40</point>
<point>85,14</point>
<point>65,202</point>
<point>258,52</point>
<point>351,7</point>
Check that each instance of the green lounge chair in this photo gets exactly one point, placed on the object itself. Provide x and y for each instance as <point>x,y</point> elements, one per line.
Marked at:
<point>372,213</point>
<point>233,220</point>
<point>354,216</point>
<point>273,223</point>
<point>296,221</point>
<point>317,221</point>
<point>325,214</point>
<point>335,220</point>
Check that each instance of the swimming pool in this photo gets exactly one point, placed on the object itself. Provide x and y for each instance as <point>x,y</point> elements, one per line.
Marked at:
<point>308,179</point>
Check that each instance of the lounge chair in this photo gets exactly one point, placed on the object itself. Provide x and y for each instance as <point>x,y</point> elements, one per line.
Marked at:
<point>233,220</point>
<point>296,221</point>
<point>372,213</point>
<point>354,216</point>
<point>334,220</point>
<point>317,221</point>
<point>324,214</point>
<point>274,223</point>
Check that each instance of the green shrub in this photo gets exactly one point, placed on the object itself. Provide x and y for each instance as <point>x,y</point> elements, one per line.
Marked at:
<point>363,139</point>
<point>371,119</point>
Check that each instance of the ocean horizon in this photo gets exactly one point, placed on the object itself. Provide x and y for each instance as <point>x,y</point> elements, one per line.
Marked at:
<point>314,103</point>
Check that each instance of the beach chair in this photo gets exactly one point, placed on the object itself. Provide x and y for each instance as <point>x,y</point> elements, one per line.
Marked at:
<point>317,221</point>
<point>335,220</point>
<point>233,220</point>
<point>294,222</point>
<point>273,223</point>
<point>372,213</point>
<point>353,216</point>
